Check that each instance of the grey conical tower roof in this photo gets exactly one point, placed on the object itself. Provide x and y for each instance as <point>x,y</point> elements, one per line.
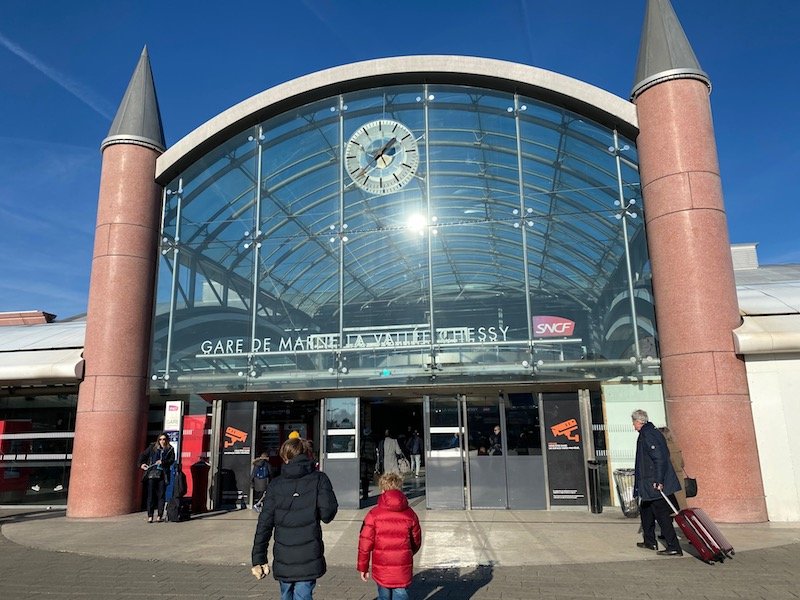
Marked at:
<point>138,119</point>
<point>664,51</point>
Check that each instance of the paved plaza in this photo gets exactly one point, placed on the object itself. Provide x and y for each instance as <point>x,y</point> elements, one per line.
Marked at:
<point>497,555</point>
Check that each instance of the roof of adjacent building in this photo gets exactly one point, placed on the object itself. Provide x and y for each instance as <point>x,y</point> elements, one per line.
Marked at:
<point>42,353</point>
<point>764,290</point>
<point>769,302</point>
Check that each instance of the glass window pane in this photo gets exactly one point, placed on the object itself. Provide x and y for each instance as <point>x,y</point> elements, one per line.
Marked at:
<point>36,438</point>
<point>340,413</point>
<point>483,425</point>
<point>337,444</point>
<point>522,424</point>
<point>444,412</point>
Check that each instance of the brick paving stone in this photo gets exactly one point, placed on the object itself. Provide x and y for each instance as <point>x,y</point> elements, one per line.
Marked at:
<point>769,573</point>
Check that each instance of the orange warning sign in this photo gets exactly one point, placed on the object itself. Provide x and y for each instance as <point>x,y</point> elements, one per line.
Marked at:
<point>568,429</point>
<point>233,436</point>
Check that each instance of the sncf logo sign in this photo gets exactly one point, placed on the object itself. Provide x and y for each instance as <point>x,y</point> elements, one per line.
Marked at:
<point>548,326</point>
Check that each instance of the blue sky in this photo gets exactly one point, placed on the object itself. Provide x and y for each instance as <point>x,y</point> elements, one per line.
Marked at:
<point>65,67</point>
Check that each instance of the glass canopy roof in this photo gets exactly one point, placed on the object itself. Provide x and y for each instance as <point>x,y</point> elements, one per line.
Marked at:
<point>515,209</point>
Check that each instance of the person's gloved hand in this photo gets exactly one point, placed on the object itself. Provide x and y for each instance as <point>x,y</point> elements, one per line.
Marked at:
<point>260,571</point>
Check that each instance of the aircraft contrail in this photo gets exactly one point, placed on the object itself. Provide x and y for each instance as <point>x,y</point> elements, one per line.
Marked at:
<point>77,90</point>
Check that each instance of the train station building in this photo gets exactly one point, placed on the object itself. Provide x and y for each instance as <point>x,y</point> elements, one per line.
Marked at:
<point>439,244</point>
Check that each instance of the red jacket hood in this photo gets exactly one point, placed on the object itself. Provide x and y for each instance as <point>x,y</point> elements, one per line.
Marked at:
<point>394,500</point>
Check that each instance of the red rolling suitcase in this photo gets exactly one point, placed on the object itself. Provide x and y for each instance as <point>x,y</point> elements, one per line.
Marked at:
<point>702,533</point>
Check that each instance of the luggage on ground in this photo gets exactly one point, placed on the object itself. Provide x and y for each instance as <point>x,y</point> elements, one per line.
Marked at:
<point>258,505</point>
<point>702,533</point>
<point>179,509</point>
<point>179,482</point>
<point>403,465</point>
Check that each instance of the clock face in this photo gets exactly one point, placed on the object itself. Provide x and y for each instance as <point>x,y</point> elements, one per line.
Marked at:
<point>381,156</point>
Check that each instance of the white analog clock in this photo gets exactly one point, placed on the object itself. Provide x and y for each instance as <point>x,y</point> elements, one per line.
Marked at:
<point>381,156</point>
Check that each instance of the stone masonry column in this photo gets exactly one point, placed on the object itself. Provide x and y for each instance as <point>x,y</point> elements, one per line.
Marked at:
<point>112,400</point>
<point>705,384</point>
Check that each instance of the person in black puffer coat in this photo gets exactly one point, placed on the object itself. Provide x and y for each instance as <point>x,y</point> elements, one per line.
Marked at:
<point>295,503</point>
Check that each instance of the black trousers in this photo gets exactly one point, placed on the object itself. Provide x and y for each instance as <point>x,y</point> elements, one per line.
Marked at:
<point>367,473</point>
<point>658,510</point>
<point>155,496</point>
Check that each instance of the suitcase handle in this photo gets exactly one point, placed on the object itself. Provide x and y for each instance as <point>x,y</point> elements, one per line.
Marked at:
<point>672,506</point>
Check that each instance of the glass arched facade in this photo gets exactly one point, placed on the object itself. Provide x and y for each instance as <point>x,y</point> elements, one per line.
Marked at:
<point>509,248</point>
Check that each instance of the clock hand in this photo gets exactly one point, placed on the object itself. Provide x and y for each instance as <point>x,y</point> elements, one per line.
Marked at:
<point>364,171</point>
<point>374,158</point>
<point>386,146</point>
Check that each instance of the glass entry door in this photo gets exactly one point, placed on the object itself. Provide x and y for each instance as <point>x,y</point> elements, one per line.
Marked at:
<point>525,470</point>
<point>484,452</point>
<point>444,452</point>
<point>487,451</point>
<point>505,467</point>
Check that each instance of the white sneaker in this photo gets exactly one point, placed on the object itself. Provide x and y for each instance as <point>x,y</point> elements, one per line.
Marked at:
<point>58,488</point>
<point>35,488</point>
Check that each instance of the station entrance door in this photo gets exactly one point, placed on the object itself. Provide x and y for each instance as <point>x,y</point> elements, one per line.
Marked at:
<point>350,428</point>
<point>444,452</point>
<point>484,451</point>
<point>480,450</point>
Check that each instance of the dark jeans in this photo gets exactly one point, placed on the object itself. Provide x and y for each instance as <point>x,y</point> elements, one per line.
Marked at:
<point>392,593</point>
<point>658,510</point>
<point>298,590</point>
<point>155,496</point>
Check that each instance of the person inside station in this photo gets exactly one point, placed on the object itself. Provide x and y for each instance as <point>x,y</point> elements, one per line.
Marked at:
<point>369,457</point>
<point>495,442</point>
<point>260,476</point>
<point>295,435</point>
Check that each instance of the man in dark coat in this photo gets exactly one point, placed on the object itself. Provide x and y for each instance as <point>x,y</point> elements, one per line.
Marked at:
<point>654,474</point>
<point>295,503</point>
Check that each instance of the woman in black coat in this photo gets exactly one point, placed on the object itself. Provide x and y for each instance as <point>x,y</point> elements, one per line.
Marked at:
<point>155,461</point>
<point>295,503</point>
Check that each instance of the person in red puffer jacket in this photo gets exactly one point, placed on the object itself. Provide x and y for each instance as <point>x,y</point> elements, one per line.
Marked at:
<point>391,535</point>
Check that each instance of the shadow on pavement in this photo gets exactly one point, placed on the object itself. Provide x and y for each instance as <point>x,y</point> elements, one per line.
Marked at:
<point>30,515</point>
<point>210,514</point>
<point>438,584</point>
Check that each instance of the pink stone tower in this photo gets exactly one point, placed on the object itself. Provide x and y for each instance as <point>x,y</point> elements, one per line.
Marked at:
<point>112,400</point>
<point>705,384</point>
